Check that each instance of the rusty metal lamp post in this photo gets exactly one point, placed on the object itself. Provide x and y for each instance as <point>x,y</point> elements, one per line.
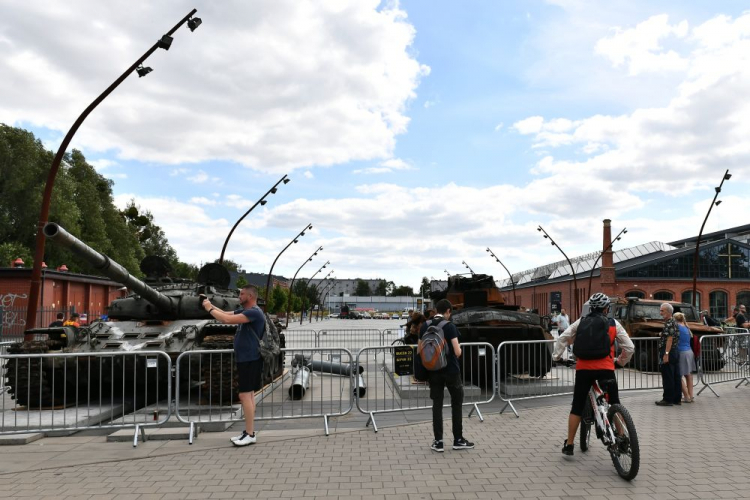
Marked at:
<point>261,201</point>
<point>616,238</point>
<point>512,283</point>
<point>572,269</point>
<point>163,43</point>
<point>316,291</point>
<point>467,267</point>
<point>291,287</point>
<point>306,287</point>
<point>322,296</point>
<point>270,273</point>
<point>726,177</point>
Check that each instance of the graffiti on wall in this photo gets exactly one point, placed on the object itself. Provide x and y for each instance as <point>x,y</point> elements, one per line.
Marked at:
<point>12,317</point>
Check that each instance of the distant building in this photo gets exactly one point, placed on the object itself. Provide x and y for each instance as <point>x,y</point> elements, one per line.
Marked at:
<point>348,286</point>
<point>258,279</point>
<point>655,270</point>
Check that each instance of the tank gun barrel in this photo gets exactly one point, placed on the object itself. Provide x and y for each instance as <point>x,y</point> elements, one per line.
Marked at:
<point>106,266</point>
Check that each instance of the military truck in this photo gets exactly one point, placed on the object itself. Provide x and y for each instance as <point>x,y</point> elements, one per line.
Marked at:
<point>641,318</point>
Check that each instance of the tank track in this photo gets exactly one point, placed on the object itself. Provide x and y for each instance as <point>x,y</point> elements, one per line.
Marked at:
<point>36,382</point>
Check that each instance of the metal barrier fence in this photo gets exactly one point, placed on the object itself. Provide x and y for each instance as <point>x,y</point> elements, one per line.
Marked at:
<point>318,384</point>
<point>350,338</point>
<point>52,393</point>
<point>3,351</point>
<point>392,387</point>
<point>725,358</point>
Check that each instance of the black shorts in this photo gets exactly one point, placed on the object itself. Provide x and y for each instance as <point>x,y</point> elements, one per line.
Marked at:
<point>584,380</point>
<point>250,375</point>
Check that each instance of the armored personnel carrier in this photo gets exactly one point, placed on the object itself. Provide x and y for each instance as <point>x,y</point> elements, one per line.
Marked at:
<point>160,314</point>
<point>480,314</point>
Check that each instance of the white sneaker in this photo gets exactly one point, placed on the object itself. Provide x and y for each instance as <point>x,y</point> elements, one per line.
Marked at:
<point>245,440</point>
<point>236,438</point>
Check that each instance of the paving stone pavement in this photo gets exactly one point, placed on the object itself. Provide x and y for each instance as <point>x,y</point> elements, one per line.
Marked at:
<point>699,450</point>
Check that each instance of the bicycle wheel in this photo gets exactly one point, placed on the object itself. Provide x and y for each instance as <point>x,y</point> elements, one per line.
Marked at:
<point>398,342</point>
<point>586,425</point>
<point>625,452</point>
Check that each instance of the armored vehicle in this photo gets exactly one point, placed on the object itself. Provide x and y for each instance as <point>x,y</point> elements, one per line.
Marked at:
<point>641,318</point>
<point>160,314</point>
<point>480,314</point>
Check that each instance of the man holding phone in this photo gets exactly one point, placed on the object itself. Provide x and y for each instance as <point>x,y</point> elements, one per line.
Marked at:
<point>251,326</point>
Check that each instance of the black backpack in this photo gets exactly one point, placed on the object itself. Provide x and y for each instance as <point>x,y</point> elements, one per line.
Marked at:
<point>592,337</point>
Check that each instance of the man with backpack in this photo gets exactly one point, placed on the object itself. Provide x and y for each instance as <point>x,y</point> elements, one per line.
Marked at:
<point>439,351</point>
<point>593,340</point>
<point>251,326</point>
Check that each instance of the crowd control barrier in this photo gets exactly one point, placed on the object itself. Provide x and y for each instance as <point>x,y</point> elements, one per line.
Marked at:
<point>351,339</point>
<point>313,383</point>
<point>3,350</point>
<point>725,358</point>
<point>392,387</point>
<point>56,392</point>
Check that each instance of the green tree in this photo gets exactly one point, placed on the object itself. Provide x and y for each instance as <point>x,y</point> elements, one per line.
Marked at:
<point>12,250</point>
<point>278,300</point>
<point>382,288</point>
<point>425,287</point>
<point>402,291</point>
<point>241,281</point>
<point>362,289</point>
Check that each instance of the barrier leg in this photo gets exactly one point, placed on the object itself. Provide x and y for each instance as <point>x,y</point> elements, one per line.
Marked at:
<point>142,431</point>
<point>475,408</point>
<point>325,423</point>
<point>745,380</point>
<point>372,419</point>
<point>191,433</point>
<point>507,404</point>
<point>710,388</point>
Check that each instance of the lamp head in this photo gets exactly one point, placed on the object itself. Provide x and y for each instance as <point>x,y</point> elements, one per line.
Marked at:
<point>286,180</point>
<point>143,71</point>
<point>263,202</point>
<point>727,176</point>
<point>717,189</point>
<point>273,190</point>
<point>718,202</point>
<point>164,42</point>
<point>194,22</point>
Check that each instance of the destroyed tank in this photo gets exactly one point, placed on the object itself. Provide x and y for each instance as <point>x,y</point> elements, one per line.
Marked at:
<point>160,314</point>
<point>481,315</point>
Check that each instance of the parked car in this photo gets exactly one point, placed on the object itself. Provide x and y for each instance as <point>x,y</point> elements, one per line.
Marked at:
<point>365,315</point>
<point>333,315</point>
<point>404,315</point>
<point>394,316</point>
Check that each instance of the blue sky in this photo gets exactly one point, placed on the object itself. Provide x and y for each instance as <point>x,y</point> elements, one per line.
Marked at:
<point>415,133</point>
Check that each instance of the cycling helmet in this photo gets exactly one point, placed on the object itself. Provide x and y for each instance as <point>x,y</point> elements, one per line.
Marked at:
<point>598,301</point>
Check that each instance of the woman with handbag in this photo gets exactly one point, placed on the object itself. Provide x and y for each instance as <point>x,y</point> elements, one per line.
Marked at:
<point>687,358</point>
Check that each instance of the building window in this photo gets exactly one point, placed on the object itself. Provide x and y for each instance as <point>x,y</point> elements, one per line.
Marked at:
<point>744,298</point>
<point>723,261</point>
<point>687,296</point>
<point>717,304</point>
<point>663,295</point>
<point>636,294</point>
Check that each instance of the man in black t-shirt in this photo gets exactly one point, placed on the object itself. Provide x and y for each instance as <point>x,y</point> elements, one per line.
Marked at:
<point>449,377</point>
<point>739,317</point>
<point>59,321</point>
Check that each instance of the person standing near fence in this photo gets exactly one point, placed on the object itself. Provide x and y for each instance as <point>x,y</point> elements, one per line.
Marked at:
<point>669,359</point>
<point>687,358</point>
<point>60,321</point>
<point>596,325</point>
<point>563,321</point>
<point>251,326</point>
<point>449,377</point>
<point>73,321</point>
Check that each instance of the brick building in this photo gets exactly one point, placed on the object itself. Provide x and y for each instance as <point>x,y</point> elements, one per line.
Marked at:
<point>61,291</point>
<point>655,270</point>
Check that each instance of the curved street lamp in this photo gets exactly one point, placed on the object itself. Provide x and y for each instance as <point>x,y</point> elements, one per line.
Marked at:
<point>261,201</point>
<point>316,291</point>
<point>164,43</point>
<point>323,294</point>
<point>467,267</point>
<point>270,273</point>
<point>616,238</point>
<point>304,296</point>
<point>291,287</point>
<point>512,283</point>
<point>726,177</point>
<point>572,269</point>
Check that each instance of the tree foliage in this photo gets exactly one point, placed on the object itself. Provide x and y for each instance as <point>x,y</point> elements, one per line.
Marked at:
<point>277,300</point>
<point>402,291</point>
<point>82,203</point>
<point>382,288</point>
<point>362,289</point>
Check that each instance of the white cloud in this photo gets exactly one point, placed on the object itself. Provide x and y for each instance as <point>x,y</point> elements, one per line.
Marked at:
<point>308,174</point>
<point>200,200</point>
<point>385,167</point>
<point>272,85</point>
<point>688,142</point>
<point>428,104</point>
<point>103,164</point>
<point>498,127</point>
<point>199,178</point>
<point>641,48</point>
<point>179,171</point>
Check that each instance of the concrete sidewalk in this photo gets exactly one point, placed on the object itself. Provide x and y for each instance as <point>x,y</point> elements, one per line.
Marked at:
<point>699,450</point>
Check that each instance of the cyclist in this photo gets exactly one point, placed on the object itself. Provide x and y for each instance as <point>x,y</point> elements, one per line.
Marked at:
<point>590,370</point>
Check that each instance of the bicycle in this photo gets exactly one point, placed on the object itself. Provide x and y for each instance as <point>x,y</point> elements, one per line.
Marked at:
<point>614,427</point>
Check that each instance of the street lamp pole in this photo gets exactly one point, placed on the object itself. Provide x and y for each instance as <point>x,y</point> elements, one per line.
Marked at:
<point>512,282</point>
<point>726,177</point>
<point>164,42</point>
<point>572,269</point>
<point>261,201</point>
<point>291,287</point>
<point>467,267</point>
<point>270,273</point>
<point>324,294</point>
<point>307,285</point>
<point>616,238</point>
<point>316,291</point>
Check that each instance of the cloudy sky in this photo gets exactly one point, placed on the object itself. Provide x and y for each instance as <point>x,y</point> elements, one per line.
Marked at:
<point>415,133</point>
